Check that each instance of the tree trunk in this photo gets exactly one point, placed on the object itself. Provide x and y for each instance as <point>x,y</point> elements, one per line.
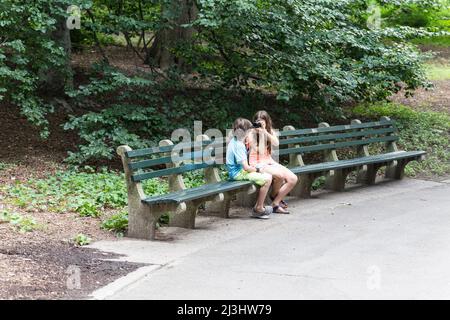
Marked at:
<point>161,52</point>
<point>55,80</point>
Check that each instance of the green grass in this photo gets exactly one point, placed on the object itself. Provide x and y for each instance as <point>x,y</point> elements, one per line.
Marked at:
<point>439,41</point>
<point>438,71</point>
<point>418,130</point>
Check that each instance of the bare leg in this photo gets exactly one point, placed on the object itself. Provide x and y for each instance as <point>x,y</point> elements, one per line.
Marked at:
<point>276,186</point>
<point>262,193</point>
<point>285,189</point>
<point>281,173</point>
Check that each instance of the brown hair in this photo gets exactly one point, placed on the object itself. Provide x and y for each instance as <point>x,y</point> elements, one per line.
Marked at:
<point>264,115</point>
<point>240,127</point>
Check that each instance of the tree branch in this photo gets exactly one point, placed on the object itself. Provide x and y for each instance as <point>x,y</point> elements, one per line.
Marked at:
<point>97,41</point>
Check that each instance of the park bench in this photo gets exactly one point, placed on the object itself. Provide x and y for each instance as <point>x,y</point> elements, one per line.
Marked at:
<point>328,139</point>
<point>183,203</point>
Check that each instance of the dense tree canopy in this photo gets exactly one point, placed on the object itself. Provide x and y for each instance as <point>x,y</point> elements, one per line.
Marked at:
<point>307,53</point>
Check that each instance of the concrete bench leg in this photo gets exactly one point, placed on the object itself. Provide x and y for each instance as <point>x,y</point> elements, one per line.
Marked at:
<point>142,219</point>
<point>186,217</point>
<point>247,198</point>
<point>396,169</point>
<point>142,223</point>
<point>303,187</point>
<point>367,174</point>
<point>219,207</point>
<point>335,180</point>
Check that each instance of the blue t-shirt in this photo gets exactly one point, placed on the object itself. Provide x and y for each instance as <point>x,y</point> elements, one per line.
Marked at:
<point>236,154</point>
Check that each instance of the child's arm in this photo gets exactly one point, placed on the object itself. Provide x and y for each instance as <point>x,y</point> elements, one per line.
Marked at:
<point>241,158</point>
<point>248,167</point>
<point>273,138</point>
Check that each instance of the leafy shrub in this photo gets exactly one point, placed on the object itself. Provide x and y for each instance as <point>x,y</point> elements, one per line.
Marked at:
<point>155,186</point>
<point>21,223</point>
<point>3,166</point>
<point>87,209</point>
<point>321,49</point>
<point>117,222</point>
<point>318,183</point>
<point>163,220</point>
<point>88,193</point>
<point>81,240</point>
<point>82,192</point>
<point>418,130</point>
<point>29,55</point>
<point>325,56</point>
<point>417,14</point>
<point>142,112</point>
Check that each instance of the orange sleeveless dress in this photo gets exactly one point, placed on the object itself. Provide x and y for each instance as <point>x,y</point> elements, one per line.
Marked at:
<point>255,157</point>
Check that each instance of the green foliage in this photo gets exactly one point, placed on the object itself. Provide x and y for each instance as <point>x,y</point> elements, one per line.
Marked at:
<point>155,186</point>
<point>82,192</point>
<point>117,223</point>
<point>322,50</point>
<point>81,240</point>
<point>4,166</point>
<point>425,13</point>
<point>431,14</point>
<point>312,55</point>
<point>21,223</point>
<point>87,209</point>
<point>442,41</point>
<point>318,183</point>
<point>139,114</point>
<point>163,220</point>
<point>88,193</point>
<point>419,130</point>
<point>194,179</point>
<point>28,53</point>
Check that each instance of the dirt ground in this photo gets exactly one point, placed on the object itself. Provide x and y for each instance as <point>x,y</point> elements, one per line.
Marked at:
<point>44,263</point>
<point>39,264</point>
<point>51,269</point>
<point>436,99</point>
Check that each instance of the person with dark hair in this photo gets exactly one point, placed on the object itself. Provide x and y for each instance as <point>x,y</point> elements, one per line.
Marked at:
<point>259,143</point>
<point>239,169</point>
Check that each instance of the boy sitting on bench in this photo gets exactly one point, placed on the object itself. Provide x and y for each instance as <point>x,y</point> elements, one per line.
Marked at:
<point>239,169</point>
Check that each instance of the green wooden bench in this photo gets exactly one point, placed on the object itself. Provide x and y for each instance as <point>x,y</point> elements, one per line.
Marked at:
<point>327,140</point>
<point>181,202</point>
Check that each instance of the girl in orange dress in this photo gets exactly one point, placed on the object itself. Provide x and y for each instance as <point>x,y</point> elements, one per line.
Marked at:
<point>260,142</point>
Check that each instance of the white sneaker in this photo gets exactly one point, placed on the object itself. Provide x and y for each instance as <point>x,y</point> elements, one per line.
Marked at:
<point>262,215</point>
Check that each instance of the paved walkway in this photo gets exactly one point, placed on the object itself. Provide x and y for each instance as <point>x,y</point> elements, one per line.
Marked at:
<point>387,241</point>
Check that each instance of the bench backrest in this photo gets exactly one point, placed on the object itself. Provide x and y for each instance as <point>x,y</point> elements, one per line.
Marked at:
<point>326,138</point>
<point>173,159</point>
<point>169,160</point>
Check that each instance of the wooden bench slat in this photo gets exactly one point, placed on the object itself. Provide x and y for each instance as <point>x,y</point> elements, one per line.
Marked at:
<point>170,171</point>
<point>155,150</point>
<point>197,155</point>
<point>336,128</point>
<point>337,145</point>
<point>336,136</point>
<point>342,164</point>
<point>198,192</point>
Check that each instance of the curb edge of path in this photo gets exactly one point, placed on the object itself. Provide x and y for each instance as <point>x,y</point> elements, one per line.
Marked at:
<point>112,288</point>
